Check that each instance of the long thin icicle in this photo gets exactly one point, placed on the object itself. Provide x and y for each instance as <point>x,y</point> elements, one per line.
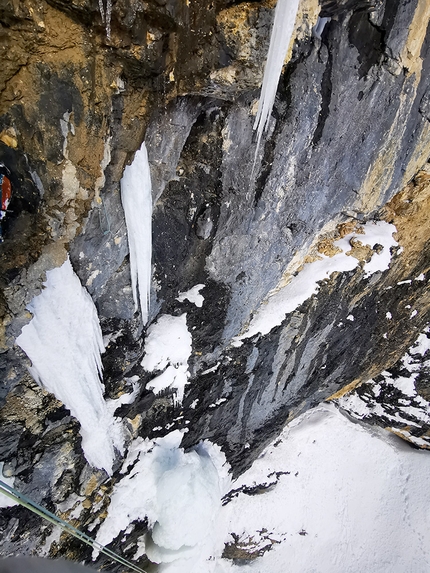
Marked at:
<point>136,196</point>
<point>283,28</point>
<point>106,15</point>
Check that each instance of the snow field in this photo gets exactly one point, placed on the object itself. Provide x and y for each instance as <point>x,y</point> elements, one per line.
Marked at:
<point>353,501</point>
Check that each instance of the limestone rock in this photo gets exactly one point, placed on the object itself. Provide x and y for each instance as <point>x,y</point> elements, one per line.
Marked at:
<point>348,143</point>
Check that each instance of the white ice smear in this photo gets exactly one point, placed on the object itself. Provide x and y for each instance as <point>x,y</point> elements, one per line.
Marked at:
<point>180,495</point>
<point>283,28</point>
<point>6,501</point>
<point>168,346</point>
<point>193,295</point>
<point>352,501</point>
<point>136,197</point>
<point>64,343</point>
<point>305,283</point>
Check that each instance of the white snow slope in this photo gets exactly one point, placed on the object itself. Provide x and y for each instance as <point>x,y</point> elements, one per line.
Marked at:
<point>136,197</point>
<point>327,496</point>
<point>64,341</point>
<point>352,501</point>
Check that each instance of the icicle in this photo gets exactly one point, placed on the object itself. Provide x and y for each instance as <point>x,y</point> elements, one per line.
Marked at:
<point>102,10</point>
<point>283,28</point>
<point>136,196</point>
<point>64,342</point>
<point>108,17</point>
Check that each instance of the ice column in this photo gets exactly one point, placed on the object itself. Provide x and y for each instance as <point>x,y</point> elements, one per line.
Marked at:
<point>136,199</point>
<point>283,28</point>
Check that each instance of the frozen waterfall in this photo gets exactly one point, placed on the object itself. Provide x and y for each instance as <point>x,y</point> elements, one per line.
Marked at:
<point>136,199</point>
<point>64,342</point>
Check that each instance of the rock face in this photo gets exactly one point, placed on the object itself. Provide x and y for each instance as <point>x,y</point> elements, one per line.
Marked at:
<point>348,143</point>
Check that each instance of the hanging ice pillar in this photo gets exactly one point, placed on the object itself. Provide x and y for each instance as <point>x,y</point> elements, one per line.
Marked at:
<point>282,31</point>
<point>136,196</point>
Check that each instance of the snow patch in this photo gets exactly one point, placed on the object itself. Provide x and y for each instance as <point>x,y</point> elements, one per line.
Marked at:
<point>168,346</point>
<point>136,197</point>
<point>6,501</point>
<point>64,342</point>
<point>283,28</point>
<point>421,345</point>
<point>193,295</point>
<point>405,406</point>
<point>302,286</point>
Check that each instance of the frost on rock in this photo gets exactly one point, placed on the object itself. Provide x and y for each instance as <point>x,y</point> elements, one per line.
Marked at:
<point>180,496</point>
<point>283,28</point>
<point>302,286</point>
<point>136,197</point>
<point>392,400</point>
<point>64,342</point>
<point>168,347</point>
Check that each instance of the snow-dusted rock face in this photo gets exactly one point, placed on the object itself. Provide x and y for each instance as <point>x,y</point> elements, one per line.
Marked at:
<point>274,284</point>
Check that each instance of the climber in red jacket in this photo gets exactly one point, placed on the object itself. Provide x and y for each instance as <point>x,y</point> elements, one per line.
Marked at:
<point>6,193</point>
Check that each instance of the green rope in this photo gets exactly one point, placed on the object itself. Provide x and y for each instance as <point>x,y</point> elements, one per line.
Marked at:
<point>52,518</point>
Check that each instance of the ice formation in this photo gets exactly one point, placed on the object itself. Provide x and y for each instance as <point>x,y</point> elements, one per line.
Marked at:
<point>180,495</point>
<point>283,28</point>
<point>136,199</point>
<point>106,15</point>
<point>168,347</point>
<point>64,342</point>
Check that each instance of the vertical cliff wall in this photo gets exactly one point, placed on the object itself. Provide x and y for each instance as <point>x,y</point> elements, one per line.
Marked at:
<point>301,262</point>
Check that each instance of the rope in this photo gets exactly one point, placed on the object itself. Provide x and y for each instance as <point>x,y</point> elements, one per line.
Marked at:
<point>52,518</point>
